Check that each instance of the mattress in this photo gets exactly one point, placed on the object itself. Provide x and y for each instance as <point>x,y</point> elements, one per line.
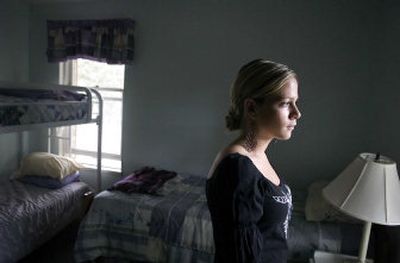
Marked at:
<point>30,215</point>
<point>21,107</point>
<point>176,227</point>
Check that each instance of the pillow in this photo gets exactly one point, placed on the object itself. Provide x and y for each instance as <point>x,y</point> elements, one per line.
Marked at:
<point>318,209</point>
<point>49,182</point>
<point>47,164</point>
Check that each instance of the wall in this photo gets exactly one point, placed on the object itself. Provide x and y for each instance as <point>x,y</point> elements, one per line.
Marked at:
<point>188,52</point>
<point>14,65</point>
<point>386,91</point>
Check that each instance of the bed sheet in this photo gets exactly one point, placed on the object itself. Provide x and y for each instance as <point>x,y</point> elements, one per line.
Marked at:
<point>30,215</point>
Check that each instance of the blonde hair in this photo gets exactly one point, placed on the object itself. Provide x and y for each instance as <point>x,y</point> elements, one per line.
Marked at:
<point>257,80</point>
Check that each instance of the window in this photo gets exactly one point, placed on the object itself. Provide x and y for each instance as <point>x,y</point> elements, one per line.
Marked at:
<point>80,141</point>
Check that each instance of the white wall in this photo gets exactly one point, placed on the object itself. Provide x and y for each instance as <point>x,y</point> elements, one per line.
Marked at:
<point>14,63</point>
<point>188,52</point>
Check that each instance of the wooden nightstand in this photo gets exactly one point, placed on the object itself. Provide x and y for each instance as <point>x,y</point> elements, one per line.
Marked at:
<point>326,257</point>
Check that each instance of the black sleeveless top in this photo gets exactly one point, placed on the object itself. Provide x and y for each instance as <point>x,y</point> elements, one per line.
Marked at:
<point>249,213</point>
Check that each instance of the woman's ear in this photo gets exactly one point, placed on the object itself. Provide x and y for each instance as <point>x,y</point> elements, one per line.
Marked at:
<point>250,107</point>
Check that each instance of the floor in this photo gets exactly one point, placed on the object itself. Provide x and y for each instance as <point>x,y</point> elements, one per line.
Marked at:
<point>59,249</point>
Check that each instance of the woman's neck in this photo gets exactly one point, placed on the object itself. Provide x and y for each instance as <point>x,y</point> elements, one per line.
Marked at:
<point>260,145</point>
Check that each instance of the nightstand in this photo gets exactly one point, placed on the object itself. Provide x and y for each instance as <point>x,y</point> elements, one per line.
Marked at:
<point>326,257</point>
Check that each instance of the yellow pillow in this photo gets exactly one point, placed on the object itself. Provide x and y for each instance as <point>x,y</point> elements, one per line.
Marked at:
<point>47,164</point>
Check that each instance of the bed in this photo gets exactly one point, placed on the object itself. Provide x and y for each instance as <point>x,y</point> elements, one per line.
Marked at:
<point>27,106</point>
<point>175,226</point>
<point>31,215</point>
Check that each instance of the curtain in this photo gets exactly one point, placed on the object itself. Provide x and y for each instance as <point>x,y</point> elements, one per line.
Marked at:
<point>110,41</point>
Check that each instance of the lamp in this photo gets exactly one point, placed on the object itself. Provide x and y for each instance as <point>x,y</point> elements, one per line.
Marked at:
<point>367,189</point>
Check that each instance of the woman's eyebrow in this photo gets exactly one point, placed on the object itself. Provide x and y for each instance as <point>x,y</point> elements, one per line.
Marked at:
<point>290,98</point>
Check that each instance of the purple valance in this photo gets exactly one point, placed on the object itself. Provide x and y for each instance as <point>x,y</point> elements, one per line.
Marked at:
<point>110,41</point>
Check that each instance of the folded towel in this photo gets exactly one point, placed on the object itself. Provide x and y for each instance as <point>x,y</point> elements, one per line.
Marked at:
<point>146,180</point>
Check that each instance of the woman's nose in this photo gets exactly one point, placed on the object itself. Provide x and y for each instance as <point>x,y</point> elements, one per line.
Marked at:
<point>296,114</point>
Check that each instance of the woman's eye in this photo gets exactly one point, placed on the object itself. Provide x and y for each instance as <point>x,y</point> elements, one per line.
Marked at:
<point>285,104</point>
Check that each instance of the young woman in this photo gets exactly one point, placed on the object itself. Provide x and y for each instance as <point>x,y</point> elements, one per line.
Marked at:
<point>250,204</point>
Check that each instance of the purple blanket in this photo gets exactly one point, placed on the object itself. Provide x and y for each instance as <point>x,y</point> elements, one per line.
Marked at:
<point>146,180</point>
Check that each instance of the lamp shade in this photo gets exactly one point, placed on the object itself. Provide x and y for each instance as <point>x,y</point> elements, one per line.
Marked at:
<point>367,189</point>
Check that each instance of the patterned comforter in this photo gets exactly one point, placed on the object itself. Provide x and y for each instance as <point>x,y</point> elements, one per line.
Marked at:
<point>175,226</point>
<point>30,215</point>
<point>25,111</point>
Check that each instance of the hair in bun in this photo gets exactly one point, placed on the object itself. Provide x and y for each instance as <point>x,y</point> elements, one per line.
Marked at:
<point>232,120</point>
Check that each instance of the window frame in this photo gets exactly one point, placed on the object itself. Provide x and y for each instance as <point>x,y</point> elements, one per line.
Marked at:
<point>60,140</point>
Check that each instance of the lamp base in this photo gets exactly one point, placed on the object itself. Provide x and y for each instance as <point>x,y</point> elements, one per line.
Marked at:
<point>364,241</point>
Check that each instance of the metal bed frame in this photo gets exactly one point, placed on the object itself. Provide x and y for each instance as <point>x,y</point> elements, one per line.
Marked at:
<point>90,92</point>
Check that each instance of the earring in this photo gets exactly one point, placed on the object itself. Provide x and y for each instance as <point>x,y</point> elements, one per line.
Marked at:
<point>249,139</point>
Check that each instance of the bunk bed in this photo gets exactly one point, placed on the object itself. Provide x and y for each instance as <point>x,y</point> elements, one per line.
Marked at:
<point>31,215</point>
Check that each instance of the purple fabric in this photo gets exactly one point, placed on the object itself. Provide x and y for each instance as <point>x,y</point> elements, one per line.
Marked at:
<point>146,180</point>
<point>49,182</point>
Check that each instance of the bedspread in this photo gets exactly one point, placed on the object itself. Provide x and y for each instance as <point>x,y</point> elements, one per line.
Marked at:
<point>172,227</point>
<point>21,111</point>
<point>30,215</point>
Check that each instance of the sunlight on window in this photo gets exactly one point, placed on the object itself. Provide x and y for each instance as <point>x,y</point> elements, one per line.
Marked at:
<point>110,81</point>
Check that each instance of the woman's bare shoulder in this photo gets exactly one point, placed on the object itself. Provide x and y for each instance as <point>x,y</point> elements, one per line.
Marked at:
<point>234,148</point>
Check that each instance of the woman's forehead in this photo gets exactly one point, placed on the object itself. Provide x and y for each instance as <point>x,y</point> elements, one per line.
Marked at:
<point>289,90</point>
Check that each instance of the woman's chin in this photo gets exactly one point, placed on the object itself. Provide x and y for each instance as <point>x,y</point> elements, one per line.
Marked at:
<point>285,136</point>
